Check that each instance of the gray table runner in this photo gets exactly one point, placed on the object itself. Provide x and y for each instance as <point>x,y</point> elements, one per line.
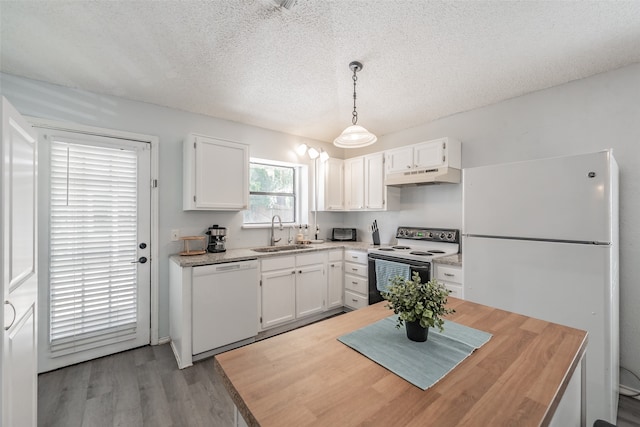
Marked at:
<point>421,363</point>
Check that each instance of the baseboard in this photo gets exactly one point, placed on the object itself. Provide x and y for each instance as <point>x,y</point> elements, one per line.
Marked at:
<point>164,340</point>
<point>628,391</point>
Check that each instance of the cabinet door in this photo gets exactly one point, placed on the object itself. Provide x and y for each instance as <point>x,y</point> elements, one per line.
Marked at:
<point>354,183</point>
<point>374,189</point>
<point>334,286</point>
<point>311,290</point>
<point>278,297</point>
<point>429,154</point>
<point>220,175</point>
<point>399,159</point>
<point>334,184</point>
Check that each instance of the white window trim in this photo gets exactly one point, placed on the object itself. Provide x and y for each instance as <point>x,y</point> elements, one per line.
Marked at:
<point>302,191</point>
<point>154,141</point>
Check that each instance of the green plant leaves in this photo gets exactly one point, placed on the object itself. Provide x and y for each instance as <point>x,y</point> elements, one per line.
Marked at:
<point>413,300</point>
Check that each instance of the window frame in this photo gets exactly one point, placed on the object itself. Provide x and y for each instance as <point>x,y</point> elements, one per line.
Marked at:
<point>300,192</point>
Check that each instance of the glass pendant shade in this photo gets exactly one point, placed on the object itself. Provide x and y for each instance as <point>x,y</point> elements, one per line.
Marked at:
<point>355,137</point>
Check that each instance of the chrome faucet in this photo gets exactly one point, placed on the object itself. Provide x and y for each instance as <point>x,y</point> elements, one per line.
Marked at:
<point>273,239</point>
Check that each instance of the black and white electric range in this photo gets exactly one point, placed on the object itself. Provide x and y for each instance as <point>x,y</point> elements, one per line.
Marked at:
<point>416,247</point>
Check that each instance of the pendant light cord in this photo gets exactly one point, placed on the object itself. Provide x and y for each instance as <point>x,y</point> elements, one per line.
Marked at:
<point>354,115</point>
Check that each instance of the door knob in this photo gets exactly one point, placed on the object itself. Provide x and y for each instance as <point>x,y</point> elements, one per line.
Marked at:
<point>140,260</point>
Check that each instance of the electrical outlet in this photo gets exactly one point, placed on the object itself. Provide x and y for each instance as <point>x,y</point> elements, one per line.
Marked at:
<point>175,235</point>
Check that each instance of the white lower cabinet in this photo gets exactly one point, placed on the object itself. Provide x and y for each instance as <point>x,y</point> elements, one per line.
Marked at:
<point>356,283</point>
<point>451,277</point>
<point>292,287</point>
<point>335,278</point>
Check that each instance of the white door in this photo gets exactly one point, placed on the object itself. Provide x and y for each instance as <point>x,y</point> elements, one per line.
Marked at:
<point>96,270</point>
<point>19,272</point>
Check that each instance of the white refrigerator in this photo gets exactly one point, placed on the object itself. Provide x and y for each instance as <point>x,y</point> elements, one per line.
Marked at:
<point>540,238</point>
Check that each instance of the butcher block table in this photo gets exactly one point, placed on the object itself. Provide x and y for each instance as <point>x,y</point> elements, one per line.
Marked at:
<point>306,377</point>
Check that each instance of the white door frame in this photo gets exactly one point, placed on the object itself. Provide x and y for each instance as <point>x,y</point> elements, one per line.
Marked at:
<point>45,124</point>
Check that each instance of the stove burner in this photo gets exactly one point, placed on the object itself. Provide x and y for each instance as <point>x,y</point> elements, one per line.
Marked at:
<point>386,249</point>
<point>421,253</point>
<point>400,247</point>
<point>435,251</point>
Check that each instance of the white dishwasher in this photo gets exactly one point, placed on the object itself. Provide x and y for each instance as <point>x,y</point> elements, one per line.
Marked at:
<point>224,304</point>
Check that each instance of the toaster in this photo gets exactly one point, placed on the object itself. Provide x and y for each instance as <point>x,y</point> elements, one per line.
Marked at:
<point>343,235</point>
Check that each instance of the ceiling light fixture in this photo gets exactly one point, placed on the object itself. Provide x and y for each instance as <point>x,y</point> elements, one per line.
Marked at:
<point>324,156</point>
<point>313,153</point>
<point>302,148</point>
<point>355,136</point>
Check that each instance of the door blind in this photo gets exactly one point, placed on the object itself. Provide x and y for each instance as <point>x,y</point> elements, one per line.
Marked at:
<point>93,236</point>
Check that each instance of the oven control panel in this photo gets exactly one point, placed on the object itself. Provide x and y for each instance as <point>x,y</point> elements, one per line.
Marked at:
<point>429,234</point>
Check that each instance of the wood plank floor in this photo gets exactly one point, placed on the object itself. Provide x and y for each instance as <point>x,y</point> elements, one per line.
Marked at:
<point>140,387</point>
<point>144,387</point>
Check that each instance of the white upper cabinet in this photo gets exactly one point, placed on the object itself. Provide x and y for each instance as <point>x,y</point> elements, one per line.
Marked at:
<point>434,161</point>
<point>354,183</point>
<point>399,159</point>
<point>377,196</point>
<point>216,174</point>
<point>331,185</point>
<point>430,154</point>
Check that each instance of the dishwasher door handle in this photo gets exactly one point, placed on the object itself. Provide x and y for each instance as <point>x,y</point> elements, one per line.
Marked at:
<point>228,267</point>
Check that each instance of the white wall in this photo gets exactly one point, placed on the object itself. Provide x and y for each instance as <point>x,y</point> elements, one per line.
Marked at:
<point>43,100</point>
<point>587,115</point>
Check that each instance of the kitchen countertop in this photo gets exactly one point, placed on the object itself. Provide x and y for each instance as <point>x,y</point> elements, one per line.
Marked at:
<point>243,254</point>
<point>307,377</point>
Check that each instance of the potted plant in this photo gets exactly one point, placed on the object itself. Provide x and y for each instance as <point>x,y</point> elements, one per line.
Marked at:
<point>419,305</point>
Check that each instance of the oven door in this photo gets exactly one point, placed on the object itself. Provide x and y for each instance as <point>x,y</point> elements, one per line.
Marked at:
<point>422,268</point>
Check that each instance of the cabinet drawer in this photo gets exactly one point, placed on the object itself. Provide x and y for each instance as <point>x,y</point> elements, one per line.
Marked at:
<point>356,283</point>
<point>449,274</point>
<point>310,259</point>
<point>278,263</point>
<point>355,256</point>
<point>357,269</point>
<point>355,301</point>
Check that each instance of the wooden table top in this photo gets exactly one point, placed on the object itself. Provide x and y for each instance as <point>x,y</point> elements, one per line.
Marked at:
<point>306,377</point>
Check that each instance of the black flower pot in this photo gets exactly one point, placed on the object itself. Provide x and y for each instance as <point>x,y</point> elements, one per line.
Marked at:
<point>415,332</point>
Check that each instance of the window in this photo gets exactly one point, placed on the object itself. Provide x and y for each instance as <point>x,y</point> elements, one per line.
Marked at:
<point>274,189</point>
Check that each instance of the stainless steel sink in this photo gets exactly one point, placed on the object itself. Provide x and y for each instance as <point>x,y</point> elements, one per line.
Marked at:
<point>281,248</point>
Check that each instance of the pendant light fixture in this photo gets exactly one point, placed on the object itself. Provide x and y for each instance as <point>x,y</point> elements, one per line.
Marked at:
<point>355,136</point>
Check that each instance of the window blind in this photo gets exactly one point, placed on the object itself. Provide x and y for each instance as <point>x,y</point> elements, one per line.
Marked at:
<point>93,237</point>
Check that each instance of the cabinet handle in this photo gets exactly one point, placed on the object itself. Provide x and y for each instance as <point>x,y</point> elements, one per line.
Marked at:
<point>293,272</point>
<point>354,257</point>
<point>354,269</point>
<point>333,265</point>
<point>408,166</point>
<point>354,283</point>
<point>300,271</point>
<point>354,300</point>
<point>449,274</point>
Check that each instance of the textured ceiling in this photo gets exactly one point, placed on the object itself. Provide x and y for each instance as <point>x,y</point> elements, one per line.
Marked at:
<point>257,63</point>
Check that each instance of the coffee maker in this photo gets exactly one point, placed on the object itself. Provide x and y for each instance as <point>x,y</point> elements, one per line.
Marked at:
<point>217,237</point>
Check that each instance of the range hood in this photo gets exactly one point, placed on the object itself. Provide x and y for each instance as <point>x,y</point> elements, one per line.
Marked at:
<point>438,175</point>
